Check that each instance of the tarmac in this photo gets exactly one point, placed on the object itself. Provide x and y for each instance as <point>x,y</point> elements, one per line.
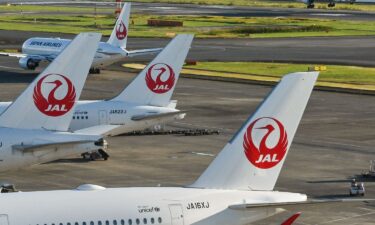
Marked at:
<point>357,51</point>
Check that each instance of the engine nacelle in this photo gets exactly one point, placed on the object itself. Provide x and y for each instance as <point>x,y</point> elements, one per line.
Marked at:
<point>28,63</point>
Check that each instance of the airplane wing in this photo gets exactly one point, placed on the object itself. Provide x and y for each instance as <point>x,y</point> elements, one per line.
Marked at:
<point>291,205</point>
<point>142,52</point>
<point>155,116</point>
<point>40,147</point>
<point>102,130</point>
<point>38,58</point>
<point>13,54</point>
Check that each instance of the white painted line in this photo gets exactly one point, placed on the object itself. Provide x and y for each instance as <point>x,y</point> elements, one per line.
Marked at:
<point>12,68</point>
<point>346,218</point>
<point>203,154</point>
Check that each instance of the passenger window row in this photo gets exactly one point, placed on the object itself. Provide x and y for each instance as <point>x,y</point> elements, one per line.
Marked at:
<point>80,117</point>
<point>117,222</point>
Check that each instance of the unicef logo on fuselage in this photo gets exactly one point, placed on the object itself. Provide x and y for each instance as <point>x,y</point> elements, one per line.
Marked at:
<point>54,95</point>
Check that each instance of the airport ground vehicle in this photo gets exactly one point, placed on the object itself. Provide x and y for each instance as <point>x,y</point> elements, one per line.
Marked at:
<point>356,188</point>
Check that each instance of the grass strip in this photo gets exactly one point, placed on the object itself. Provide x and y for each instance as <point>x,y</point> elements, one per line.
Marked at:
<point>201,26</point>
<point>344,77</point>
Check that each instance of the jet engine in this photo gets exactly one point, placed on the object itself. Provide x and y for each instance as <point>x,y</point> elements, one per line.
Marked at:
<point>28,63</point>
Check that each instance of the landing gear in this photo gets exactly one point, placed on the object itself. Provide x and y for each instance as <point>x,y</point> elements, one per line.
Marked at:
<point>7,188</point>
<point>31,64</point>
<point>94,71</point>
<point>95,155</point>
<point>104,154</point>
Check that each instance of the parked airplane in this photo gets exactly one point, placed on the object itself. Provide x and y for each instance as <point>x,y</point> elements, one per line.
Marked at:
<point>145,102</point>
<point>237,188</point>
<point>37,49</point>
<point>33,129</point>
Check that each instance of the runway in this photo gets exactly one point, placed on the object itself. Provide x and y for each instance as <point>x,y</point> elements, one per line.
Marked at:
<point>334,142</point>
<point>317,50</point>
<point>230,11</point>
<point>190,9</point>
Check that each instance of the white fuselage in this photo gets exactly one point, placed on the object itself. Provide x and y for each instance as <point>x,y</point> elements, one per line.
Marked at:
<point>106,54</point>
<point>24,147</point>
<point>162,205</point>
<point>93,113</point>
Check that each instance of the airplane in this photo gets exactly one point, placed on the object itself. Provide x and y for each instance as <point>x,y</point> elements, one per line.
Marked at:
<point>37,49</point>
<point>236,188</point>
<point>144,103</point>
<point>34,128</point>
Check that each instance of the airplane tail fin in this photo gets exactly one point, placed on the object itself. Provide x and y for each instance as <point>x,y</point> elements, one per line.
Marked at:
<point>253,158</point>
<point>291,219</point>
<point>119,33</point>
<point>157,81</point>
<point>48,102</point>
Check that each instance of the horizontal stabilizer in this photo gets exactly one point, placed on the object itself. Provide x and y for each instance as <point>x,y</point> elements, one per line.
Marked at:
<point>155,116</point>
<point>291,205</point>
<point>41,147</point>
<point>143,52</point>
<point>103,130</point>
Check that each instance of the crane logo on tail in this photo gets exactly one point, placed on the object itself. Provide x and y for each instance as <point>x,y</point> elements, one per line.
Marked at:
<point>54,95</point>
<point>121,30</point>
<point>272,142</point>
<point>160,78</point>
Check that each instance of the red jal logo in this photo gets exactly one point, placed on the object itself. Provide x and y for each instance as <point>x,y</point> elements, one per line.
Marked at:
<point>59,86</point>
<point>262,156</point>
<point>121,31</point>
<point>165,78</point>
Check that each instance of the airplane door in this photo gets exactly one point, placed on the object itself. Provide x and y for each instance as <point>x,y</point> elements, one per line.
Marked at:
<point>103,118</point>
<point>4,220</point>
<point>177,215</point>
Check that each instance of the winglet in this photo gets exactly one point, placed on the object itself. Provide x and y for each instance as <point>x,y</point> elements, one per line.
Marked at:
<point>48,102</point>
<point>291,219</point>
